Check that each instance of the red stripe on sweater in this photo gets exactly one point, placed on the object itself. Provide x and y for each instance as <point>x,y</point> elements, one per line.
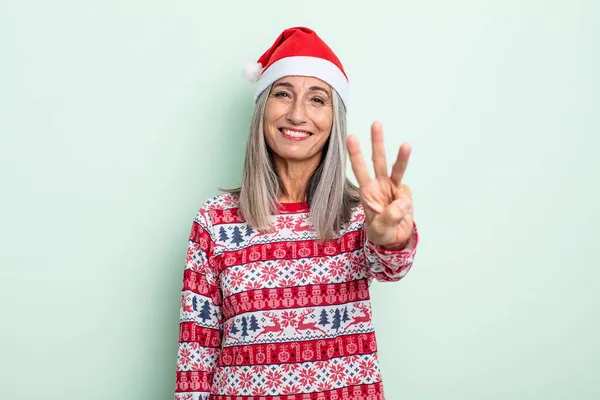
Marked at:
<point>200,235</point>
<point>193,381</point>
<point>298,352</point>
<point>220,216</point>
<point>207,337</point>
<point>358,392</point>
<point>294,297</point>
<point>195,281</point>
<point>288,249</point>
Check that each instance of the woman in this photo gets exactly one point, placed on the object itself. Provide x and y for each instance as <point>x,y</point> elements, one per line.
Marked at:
<point>275,301</point>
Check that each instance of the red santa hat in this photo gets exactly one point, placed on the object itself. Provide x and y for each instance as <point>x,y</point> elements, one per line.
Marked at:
<point>298,51</point>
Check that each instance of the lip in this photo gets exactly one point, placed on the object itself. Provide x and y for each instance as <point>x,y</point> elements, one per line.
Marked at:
<point>296,130</point>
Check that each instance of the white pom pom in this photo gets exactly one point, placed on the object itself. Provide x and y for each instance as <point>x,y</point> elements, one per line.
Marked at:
<point>252,71</point>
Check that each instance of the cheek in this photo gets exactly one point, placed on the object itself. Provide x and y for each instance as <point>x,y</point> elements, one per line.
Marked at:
<point>324,122</point>
<point>268,118</point>
<point>273,112</point>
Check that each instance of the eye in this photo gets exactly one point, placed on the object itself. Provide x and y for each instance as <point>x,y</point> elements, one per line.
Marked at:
<point>282,94</point>
<point>318,100</point>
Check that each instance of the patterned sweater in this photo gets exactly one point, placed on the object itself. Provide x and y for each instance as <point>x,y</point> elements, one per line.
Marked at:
<point>280,316</point>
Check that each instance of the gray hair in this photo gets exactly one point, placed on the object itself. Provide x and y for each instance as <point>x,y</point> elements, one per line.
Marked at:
<point>330,195</point>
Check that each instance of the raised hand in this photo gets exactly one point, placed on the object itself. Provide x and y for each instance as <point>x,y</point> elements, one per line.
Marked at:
<point>386,200</point>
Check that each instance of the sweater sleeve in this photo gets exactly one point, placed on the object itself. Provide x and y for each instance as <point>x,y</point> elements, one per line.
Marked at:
<point>390,265</point>
<point>200,326</point>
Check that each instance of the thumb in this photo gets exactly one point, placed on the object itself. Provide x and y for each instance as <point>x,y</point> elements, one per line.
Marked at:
<point>396,210</point>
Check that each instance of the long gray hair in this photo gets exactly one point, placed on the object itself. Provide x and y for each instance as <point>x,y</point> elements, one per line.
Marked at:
<point>330,195</point>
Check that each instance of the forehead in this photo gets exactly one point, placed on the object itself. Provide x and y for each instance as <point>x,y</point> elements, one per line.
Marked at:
<point>303,82</point>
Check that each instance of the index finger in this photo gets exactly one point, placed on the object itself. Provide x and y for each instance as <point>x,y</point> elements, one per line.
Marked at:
<point>399,167</point>
<point>357,160</point>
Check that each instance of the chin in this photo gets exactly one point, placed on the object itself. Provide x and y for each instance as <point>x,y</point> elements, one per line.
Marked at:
<point>294,157</point>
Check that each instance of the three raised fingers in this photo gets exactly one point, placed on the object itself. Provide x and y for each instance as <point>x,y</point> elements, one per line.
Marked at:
<point>359,166</point>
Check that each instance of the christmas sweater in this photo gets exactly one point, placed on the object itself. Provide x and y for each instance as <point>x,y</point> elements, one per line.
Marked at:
<point>279,315</point>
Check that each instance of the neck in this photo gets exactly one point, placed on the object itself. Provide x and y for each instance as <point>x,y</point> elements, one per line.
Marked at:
<point>294,176</point>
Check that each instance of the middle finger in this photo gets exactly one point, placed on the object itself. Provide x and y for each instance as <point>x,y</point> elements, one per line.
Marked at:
<point>378,156</point>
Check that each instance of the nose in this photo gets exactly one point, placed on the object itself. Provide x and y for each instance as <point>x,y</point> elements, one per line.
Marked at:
<point>297,112</point>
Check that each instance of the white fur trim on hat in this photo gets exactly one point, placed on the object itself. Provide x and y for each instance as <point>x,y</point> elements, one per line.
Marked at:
<point>305,66</point>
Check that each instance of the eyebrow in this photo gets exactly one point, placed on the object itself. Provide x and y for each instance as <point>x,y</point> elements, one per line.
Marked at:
<point>319,88</point>
<point>289,85</point>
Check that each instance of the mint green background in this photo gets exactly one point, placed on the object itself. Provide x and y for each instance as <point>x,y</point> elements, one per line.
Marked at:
<point>119,118</point>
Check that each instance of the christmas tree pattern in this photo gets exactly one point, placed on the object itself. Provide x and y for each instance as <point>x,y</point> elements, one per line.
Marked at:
<point>345,318</point>
<point>236,236</point>
<point>249,230</point>
<point>253,324</point>
<point>337,319</point>
<point>244,327</point>
<point>323,321</point>
<point>234,329</point>
<point>205,311</point>
<point>223,235</point>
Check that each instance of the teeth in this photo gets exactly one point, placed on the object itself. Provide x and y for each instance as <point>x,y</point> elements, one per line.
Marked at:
<point>295,134</point>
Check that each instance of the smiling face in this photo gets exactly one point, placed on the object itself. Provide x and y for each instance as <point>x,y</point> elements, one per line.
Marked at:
<point>298,118</point>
